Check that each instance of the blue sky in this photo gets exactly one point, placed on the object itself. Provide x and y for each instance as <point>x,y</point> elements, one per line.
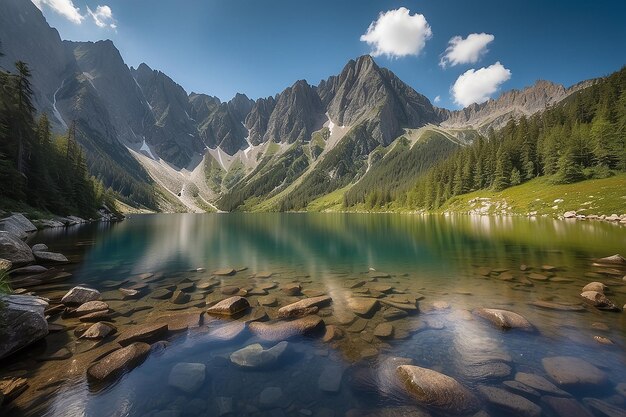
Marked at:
<point>260,47</point>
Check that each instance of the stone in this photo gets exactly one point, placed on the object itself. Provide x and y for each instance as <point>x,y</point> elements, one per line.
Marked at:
<point>503,318</point>
<point>180,322</point>
<point>264,274</point>
<point>509,402</point>
<point>572,372</point>
<point>549,268</point>
<point>129,293</point>
<point>268,301</point>
<point>330,378</point>
<point>15,250</point>
<point>303,307</point>
<point>362,306</point>
<point>102,315</point>
<point>162,294</point>
<point>18,225</point>
<point>270,397</point>
<point>603,340</point>
<point>226,333</point>
<point>187,377</point>
<point>229,290</point>
<point>98,331</point>
<point>613,260</point>
<point>285,330</point>
<point>484,271</point>
<point>540,384</point>
<point>565,407</point>
<point>179,297</point>
<point>229,306</point>
<point>142,333</point>
<point>569,214</point>
<point>435,390</point>
<point>80,295</point>
<point>5,265</point>
<point>383,330</point>
<point>332,333</point>
<point>408,307</point>
<point>441,305</point>
<point>91,307</point>
<point>548,305</point>
<point>292,289</point>
<point>595,286</point>
<point>599,301</point>
<point>602,408</point>
<point>50,257</point>
<point>29,270</point>
<point>26,315</point>
<point>11,388</point>
<point>393,313</point>
<point>522,389</point>
<point>358,326</point>
<point>537,277</point>
<point>224,272</point>
<point>119,361</point>
<point>255,357</point>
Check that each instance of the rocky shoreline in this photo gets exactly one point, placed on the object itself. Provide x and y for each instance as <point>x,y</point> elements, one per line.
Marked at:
<point>112,329</point>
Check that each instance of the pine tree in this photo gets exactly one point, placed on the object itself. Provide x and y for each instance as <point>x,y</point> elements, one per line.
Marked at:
<point>502,173</point>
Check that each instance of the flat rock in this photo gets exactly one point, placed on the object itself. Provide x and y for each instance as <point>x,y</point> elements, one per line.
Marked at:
<point>613,260</point>
<point>225,272</point>
<point>303,306</point>
<point>229,306</point>
<point>330,378</point>
<point>91,307</point>
<point>229,289</point>
<point>270,397</point>
<point>161,293</point>
<point>255,357</point>
<point>180,297</point>
<point>28,324</point>
<point>602,408</point>
<point>264,274</point>
<point>129,293</point>
<point>28,270</point>
<point>50,257</point>
<point>98,331</point>
<point>537,277</point>
<point>187,377</point>
<point>358,326</point>
<point>119,361</point>
<point>287,329</point>
<point>227,332</point>
<point>565,407</point>
<point>179,322</point>
<point>540,384</point>
<point>13,249</point>
<point>268,301</point>
<point>362,306</point>
<point>522,389</point>
<point>80,295</point>
<point>383,330</point>
<point>142,333</point>
<point>435,390</point>
<point>100,315</point>
<point>409,307</point>
<point>509,402</point>
<point>503,318</point>
<point>332,333</point>
<point>292,289</point>
<point>572,372</point>
<point>393,313</point>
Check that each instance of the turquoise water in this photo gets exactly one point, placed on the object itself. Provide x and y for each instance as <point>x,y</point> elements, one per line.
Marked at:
<point>441,259</point>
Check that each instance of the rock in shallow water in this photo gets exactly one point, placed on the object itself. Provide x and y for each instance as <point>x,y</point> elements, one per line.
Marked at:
<point>540,384</point>
<point>229,306</point>
<point>571,372</point>
<point>565,407</point>
<point>50,257</point>
<point>301,307</point>
<point>599,300</point>
<point>187,377</point>
<point>504,319</point>
<point>595,286</point>
<point>25,314</point>
<point>142,333</point>
<point>80,295</point>
<point>91,307</point>
<point>285,330</point>
<point>255,357</point>
<point>14,250</point>
<point>511,403</point>
<point>330,378</point>
<point>436,390</point>
<point>98,331</point>
<point>121,360</point>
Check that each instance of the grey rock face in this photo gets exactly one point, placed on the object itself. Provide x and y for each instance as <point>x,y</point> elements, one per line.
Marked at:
<point>23,322</point>
<point>18,225</point>
<point>14,249</point>
<point>50,257</point>
<point>258,119</point>
<point>80,295</point>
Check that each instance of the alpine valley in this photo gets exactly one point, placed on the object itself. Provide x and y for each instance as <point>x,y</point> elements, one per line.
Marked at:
<point>164,149</point>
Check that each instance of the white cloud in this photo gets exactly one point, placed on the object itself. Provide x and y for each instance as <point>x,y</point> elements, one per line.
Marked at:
<point>397,33</point>
<point>65,8</point>
<point>437,99</point>
<point>102,17</point>
<point>477,86</point>
<point>466,51</point>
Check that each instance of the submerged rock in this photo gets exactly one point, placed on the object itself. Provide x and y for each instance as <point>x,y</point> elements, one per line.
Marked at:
<point>330,378</point>
<point>504,319</point>
<point>187,377</point>
<point>557,306</point>
<point>509,402</point>
<point>50,257</point>
<point>255,357</point>
<point>436,390</point>
<point>303,307</point>
<point>80,295</point>
<point>540,384</point>
<point>117,362</point>
<point>286,329</point>
<point>229,306</point>
<point>224,272</point>
<point>142,333</point>
<point>29,270</point>
<point>25,319</point>
<point>599,301</point>
<point>91,307</point>
<point>362,306</point>
<point>15,250</point>
<point>98,331</point>
<point>383,330</point>
<point>565,407</point>
<point>572,372</point>
<point>270,397</point>
<point>226,332</point>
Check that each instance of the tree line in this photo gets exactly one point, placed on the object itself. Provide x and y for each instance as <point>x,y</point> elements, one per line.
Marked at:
<point>43,170</point>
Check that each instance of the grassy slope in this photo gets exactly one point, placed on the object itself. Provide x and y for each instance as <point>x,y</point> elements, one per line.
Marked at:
<point>602,196</point>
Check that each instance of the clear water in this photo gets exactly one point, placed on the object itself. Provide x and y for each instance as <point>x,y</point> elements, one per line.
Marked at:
<point>438,257</point>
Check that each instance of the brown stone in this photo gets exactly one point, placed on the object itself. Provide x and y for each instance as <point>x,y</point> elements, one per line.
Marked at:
<point>303,307</point>
<point>143,333</point>
<point>287,329</point>
<point>503,318</point>
<point>229,306</point>
<point>119,361</point>
<point>572,372</point>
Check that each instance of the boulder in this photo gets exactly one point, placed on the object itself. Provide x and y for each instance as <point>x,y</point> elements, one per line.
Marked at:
<point>303,307</point>
<point>595,286</point>
<point>13,249</point>
<point>613,260</point>
<point>512,404</point>
<point>17,224</point>
<point>98,331</point>
<point>571,372</point>
<point>26,321</point>
<point>5,265</point>
<point>229,306</point>
<point>274,332</point>
<point>255,357</point>
<point>187,377</point>
<point>50,257</point>
<point>80,295</point>
<point>119,361</point>
<point>40,247</point>
<point>435,390</point>
<point>599,300</point>
<point>504,319</point>
<point>143,333</point>
<point>91,307</point>
<point>29,270</point>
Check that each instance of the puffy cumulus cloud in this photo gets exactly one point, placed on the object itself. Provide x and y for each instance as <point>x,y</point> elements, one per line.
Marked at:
<point>102,17</point>
<point>466,51</point>
<point>398,33</point>
<point>477,86</point>
<point>65,8</point>
<point>437,99</point>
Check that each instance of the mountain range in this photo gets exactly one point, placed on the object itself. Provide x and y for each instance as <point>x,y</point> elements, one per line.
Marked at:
<point>163,148</point>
